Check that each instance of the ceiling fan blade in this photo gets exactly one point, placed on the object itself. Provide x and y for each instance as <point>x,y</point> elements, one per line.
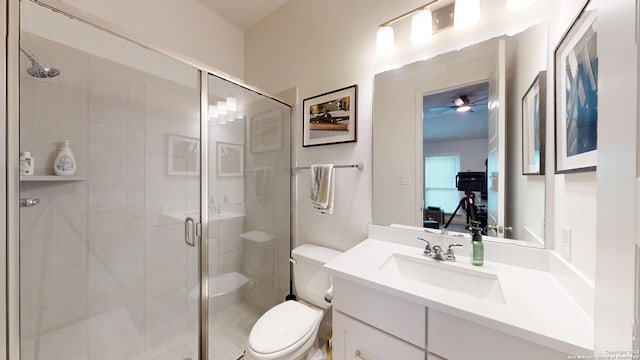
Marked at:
<point>477,101</point>
<point>440,108</point>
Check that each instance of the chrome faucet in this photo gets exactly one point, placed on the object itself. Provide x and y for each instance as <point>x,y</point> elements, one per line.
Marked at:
<point>213,207</point>
<point>437,253</point>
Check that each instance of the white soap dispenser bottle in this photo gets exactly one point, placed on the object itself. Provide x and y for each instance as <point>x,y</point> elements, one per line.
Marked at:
<point>65,164</point>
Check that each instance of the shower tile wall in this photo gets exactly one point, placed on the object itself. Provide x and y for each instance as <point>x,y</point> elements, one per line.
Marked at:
<point>104,272</point>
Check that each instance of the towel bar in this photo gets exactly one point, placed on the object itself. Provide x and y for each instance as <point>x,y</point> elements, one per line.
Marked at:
<point>359,166</point>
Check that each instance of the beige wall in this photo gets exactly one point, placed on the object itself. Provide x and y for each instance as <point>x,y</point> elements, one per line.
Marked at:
<point>186,27</point>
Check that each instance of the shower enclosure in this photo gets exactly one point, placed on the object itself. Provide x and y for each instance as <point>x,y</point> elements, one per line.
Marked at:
<point>172,237</point>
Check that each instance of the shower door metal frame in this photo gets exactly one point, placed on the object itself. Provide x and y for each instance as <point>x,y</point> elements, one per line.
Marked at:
<point>13,179</point>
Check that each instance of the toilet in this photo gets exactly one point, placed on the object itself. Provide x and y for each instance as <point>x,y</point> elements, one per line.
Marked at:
<point>288,331</point>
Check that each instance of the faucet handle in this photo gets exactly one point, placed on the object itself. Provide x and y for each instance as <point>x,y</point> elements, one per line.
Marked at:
<point>427,248</point>
<point>450,253</point>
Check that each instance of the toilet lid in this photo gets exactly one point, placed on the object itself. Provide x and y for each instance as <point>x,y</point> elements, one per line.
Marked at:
<point>281,327</point>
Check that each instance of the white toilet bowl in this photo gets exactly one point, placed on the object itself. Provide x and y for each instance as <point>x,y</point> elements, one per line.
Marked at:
<point>289,331</point>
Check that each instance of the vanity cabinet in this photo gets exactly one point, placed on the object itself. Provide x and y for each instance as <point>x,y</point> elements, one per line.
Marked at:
<point>369,324</point>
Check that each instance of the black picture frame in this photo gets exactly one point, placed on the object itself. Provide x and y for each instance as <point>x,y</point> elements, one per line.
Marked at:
<point>330,118</point>
<point>534,114</point>
<point>576,95</point>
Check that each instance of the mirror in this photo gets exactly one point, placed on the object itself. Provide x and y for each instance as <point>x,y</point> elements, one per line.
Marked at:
<point>423,143</point>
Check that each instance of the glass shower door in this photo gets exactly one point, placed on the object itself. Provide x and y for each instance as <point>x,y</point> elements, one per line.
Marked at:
<point>249,212</point>
<point>105,272</point>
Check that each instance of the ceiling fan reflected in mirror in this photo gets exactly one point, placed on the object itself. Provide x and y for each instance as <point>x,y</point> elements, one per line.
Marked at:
<point>460,104</point>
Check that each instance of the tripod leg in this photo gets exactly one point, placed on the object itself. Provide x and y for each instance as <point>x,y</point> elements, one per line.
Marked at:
<point>455,212</point>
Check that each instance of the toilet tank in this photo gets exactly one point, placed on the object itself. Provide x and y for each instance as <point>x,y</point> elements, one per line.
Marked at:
<point>310,278</point>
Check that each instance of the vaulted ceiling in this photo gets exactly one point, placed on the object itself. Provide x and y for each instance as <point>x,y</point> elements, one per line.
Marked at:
<point>243,13</point>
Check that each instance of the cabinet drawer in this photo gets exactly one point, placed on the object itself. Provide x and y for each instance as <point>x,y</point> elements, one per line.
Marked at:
<point>388,313</point>
<point>355,340</point>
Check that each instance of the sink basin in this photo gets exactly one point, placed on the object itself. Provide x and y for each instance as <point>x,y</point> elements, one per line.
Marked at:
<point>443,275</point>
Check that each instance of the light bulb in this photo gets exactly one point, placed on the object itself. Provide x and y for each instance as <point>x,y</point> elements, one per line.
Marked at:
<point>463,108</point>
<point>421,27</point>
<point>222,107</point>
<point>232,104</point>
<point>385,43</point>
<point>519,4</point>
<point>466,13</point>
<point>213,112</point>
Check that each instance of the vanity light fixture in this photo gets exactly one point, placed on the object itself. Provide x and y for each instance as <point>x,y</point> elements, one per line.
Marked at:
<point>514,5</point>
<point>213,112</point>
<point>232,104</point>
<point>222,107</point>
<point>385,43</point>
<point>466,13</point>
<point>421,26</point>
<point>421,29</point>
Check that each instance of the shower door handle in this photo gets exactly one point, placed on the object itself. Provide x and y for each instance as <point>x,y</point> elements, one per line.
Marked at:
<point>190,232</point>
<point>29,202</point>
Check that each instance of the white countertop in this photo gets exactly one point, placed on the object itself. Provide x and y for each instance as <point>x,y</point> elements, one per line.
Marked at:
<point>537,308</point>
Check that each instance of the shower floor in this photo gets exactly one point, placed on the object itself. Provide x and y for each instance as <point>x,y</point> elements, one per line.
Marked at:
<point>229,328</point>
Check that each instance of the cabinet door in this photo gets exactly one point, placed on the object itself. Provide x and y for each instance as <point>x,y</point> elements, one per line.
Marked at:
<point>354,340</point>
<point>458,339</point>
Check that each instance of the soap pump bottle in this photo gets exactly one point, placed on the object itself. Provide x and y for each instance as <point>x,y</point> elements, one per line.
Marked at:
<point>477,256</point>
<point>65,164</point>
<point>27,163</point>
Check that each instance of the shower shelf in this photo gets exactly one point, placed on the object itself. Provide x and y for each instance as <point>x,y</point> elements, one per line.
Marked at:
<point>52,178</point>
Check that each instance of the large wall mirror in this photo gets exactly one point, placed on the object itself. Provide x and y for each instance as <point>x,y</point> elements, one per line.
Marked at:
<point>448,133</point>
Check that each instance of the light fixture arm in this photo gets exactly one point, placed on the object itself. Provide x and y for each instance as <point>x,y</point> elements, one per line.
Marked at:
<point>408,13</point>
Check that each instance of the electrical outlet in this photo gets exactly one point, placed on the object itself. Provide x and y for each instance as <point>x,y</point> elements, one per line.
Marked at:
<point>565,245</point>
<point>405,180</point>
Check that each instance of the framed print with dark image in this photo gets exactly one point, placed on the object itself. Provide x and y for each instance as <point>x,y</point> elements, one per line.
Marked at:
<point>534,112</point>
<point>576,95</point>
<point>230,159</point>
<point>330,118</point>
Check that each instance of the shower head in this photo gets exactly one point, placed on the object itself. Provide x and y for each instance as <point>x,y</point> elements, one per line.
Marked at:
<point>38,69</point>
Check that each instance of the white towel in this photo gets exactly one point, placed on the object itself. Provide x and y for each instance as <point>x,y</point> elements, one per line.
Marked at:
<point>263,181</point>
<point>322,187</point>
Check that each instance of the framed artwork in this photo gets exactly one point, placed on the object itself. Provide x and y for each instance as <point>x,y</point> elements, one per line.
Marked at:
<point>183,156</point>
<point>576,95</point>
<point>230,159</point>
<point>330,118</point>
<point>534,112</point>
<point>266,131</point>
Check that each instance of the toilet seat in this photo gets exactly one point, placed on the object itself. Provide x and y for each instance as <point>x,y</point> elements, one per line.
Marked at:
<point>283,329</point>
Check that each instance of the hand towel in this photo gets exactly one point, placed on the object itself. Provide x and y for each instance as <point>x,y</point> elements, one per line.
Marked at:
<point>322,187</point>
<point>263,179</point>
